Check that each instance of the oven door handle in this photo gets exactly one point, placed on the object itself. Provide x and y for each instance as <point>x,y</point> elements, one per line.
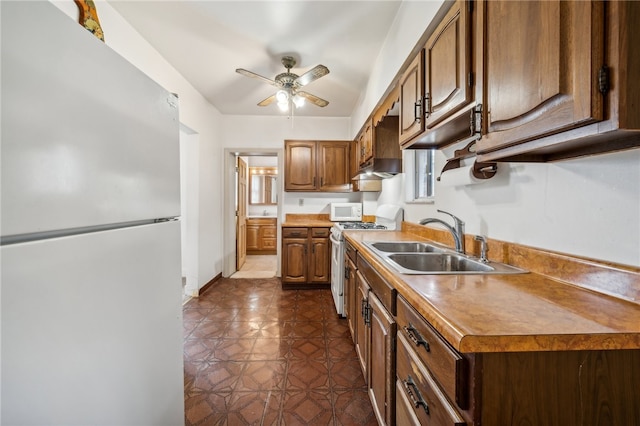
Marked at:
<point>334,241</point>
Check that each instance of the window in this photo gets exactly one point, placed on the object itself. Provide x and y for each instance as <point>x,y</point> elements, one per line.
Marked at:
<point>419,175</point>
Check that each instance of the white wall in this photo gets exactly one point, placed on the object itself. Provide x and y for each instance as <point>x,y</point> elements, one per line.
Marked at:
<point>588,207</point>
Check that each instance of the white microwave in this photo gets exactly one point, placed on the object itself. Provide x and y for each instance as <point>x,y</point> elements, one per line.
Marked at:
<point>345,212</point>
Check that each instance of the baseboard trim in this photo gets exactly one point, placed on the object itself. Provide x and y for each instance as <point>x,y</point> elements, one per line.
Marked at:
<point>208,285</point>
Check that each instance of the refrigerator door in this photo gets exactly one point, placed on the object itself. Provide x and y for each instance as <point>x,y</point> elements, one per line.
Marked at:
<point>92,329</point>
<point>87,138</point>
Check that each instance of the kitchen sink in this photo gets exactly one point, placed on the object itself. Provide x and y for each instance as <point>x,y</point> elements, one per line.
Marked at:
<point>420,258</point>
<point>405,247</point>
<point>440,262</point>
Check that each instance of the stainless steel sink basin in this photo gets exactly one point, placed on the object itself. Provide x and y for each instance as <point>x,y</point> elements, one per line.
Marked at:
<point>440,262</point>
<point>406,247</point>
<point>421,258</point>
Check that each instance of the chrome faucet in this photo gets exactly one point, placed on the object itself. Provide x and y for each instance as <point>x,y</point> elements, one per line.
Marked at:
<point>457,231</point>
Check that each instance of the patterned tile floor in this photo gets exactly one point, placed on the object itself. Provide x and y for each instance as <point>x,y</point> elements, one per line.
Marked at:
<point>257,355</point>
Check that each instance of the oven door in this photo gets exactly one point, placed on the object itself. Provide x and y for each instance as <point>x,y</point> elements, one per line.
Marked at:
<point>337,273</point>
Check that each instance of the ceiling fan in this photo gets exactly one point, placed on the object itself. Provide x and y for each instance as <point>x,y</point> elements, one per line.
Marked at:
<point>289,84</point>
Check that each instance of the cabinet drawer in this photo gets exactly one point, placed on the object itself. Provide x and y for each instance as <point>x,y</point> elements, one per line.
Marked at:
<point>269,243</point>
<point>269,232</point>
<point>385,292</point>
<point>294,232</point>
<point>418,386</point>
<point>445,363</point>
<point>319,232</point>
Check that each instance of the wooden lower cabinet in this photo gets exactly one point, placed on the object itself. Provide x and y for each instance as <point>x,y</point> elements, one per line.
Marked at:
<point>350,291</point>
<point>376,334</point>
<point>261,235</point>
<point>306,257</point>
<point>382,361</point>
<point>363,332</point>
<point>555,388</point>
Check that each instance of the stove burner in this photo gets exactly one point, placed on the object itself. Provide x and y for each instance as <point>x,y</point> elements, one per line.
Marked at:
<point>361,225</point>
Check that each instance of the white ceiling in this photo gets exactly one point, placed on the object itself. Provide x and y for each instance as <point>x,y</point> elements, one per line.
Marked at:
<point>207,40</point>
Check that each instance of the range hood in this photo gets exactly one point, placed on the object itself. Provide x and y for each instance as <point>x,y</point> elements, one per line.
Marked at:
<point>380,168</point>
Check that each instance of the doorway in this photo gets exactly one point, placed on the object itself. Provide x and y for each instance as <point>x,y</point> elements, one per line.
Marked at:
<point>263,202</point>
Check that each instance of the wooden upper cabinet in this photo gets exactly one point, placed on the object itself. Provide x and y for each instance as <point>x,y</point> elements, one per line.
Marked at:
<point>411,96</point>
<point>365,143</point>
<point>541,64</point>
<point>318,166</point>
<point>334,169</point>
<point>447,72</point>
<point>300,166</point>
<point>436,90</point>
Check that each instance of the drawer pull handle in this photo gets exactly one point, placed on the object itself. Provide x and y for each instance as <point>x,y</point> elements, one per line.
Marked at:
<point>415,336</point>
<point>414,394</point>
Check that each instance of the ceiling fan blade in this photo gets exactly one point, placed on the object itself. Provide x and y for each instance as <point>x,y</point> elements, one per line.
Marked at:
<point>312,75</point>
<point>267,101</point>
<point>313,99</point>
<point>254,75</point>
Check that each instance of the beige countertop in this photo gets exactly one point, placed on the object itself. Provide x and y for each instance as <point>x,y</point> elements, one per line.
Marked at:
<point>510,313</point>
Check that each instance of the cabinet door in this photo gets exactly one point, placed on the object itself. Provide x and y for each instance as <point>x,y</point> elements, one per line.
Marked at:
<point>351,296</point>
<point>382,372</point>
<point>365,143</point>
<point>320,261</point>
<point>333,166</point>
<point>447,66</point>
<point>300,166</point>
<point>294,260</point>
<point>411,98</point>
<point>253,237</point>
<point>541,62</point>
<point>363,332</point>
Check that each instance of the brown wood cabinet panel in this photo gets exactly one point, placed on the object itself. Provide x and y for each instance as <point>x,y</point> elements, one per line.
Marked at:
<point>382,366</point>
<point>253,237</point>
<point>363,332</point>
<point>333,166</point>
<point>448,66</point>
<point>261,235</point>
<point>411,98</point>
<point>415,383</point>
<point>437,88</point>
<point>300,166</point>
<point>540,66</point>
<point>365,143</point>
<point>318,166</point>
<point>294,260</point>
<point>351,296</point>
<point>444,362</point>
<point>586,388</point>
<point>306,257</point>
<point>320,261</point>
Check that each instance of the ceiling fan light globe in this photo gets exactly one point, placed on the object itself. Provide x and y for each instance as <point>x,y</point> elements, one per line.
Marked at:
<point>282,96</point>
<point>298,101</point>
<point>283,105</point>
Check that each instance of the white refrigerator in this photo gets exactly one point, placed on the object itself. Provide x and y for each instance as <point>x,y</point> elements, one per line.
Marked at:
<point>91,330</point>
